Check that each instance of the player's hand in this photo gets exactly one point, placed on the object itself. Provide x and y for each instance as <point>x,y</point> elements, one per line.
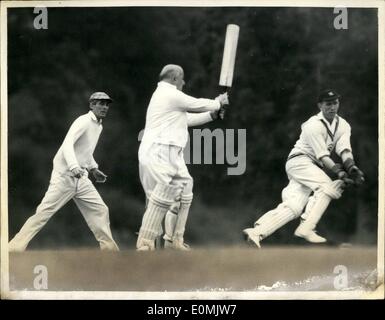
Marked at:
<point>99,176</point>
<point>223,99</point>
<point>214,114</point>
<point>219,114</point>
<point>342,175</point>
<point>222,112</point>
<point>77,172</point>
<point>356,175</point>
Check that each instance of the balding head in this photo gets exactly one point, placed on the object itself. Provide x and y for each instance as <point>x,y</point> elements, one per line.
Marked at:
<point>173,74</point>
<point>170,71</point>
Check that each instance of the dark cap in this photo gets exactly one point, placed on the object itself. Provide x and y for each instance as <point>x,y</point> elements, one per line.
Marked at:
<point>328,95</point>
<point>100,96</point>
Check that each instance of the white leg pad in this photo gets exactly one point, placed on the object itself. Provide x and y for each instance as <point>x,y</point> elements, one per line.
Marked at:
<point>181,220</point>
<point>319,202</point>
<point>273,220</point>
<point>162,197</point>
<point>295,196</point>
<point>316,210</point>
<point>169,225</point>
<point>334,189</point>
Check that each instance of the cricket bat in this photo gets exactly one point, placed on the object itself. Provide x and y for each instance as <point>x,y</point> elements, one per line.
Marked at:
<point>229,53</point>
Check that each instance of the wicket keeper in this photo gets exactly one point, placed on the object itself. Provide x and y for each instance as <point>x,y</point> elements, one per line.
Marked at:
<point>309,186</point>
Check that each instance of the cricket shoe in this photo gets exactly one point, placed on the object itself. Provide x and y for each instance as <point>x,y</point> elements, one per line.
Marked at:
<point>252,235</point>
<point>145,245</point>
<point>14,249</point>
<point>13,246</point>
<point>309,235</point>
<point>158,243</point>
<point>176,245</point>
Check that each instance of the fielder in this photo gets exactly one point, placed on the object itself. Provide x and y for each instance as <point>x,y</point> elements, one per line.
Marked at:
<point>309,186</point>
<point>162,169</point>
<point>69,180</point>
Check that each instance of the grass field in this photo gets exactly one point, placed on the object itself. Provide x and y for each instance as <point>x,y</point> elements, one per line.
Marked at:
<point>289,268</point>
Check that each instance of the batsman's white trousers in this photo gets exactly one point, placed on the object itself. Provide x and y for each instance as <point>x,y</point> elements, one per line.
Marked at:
<point>304,178</point>
<point>63,188</point>
<point>163,164</point>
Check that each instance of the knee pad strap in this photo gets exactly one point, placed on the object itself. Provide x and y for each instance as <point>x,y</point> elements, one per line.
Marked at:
<point>186,198</point>
<point>165,195</point>
<point>333,189</point>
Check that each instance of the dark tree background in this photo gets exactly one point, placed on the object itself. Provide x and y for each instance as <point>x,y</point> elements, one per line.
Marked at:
<point>285,56</point>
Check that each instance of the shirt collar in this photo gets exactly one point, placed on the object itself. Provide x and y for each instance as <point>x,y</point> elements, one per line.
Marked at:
<point>93,117</point>
<point>166,84</point>
<point>321,117</point>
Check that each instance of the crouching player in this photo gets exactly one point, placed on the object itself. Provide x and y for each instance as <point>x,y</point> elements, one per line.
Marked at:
<point>309,187</point>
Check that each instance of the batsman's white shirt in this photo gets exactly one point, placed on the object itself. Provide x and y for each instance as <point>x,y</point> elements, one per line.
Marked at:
<point>169,114</point>
<point>79,144</point>
<point>319,138</point>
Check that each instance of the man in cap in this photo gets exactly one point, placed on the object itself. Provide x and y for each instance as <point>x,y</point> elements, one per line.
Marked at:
<point>72,164</point>
<point>162,169</point>
<point>309,187</point>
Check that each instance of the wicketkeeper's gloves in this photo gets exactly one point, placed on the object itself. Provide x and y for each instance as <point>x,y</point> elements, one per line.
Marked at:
<point>342,174</point>
<point>354,172</point>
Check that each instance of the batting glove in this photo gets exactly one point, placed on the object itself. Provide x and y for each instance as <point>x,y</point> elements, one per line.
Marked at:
<point>222,112</point>
<point>223,99</point>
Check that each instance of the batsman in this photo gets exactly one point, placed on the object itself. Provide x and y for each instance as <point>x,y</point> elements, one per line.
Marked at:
<point>162,169</point>
<point>163,172</point>
<point>310,189</point>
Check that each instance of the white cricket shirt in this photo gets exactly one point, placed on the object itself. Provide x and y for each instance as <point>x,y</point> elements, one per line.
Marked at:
<point>319,137</point>
<point>79,144</point>
<point>169,114</point>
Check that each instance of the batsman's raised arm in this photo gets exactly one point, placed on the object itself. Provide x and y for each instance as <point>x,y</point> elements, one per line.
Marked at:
<point>197,105</point>
<point>197,119</point>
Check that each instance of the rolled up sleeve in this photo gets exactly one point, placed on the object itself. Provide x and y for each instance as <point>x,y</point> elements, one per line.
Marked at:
<point>343,143</point>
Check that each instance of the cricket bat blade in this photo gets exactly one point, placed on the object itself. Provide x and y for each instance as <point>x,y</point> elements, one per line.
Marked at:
<point>229,53</point>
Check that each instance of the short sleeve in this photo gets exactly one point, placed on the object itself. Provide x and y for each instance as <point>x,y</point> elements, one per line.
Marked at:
<point>343,143</point>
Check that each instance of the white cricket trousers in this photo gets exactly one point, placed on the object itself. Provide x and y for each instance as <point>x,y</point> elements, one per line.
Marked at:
<point>163,164</point>
<point>63,188</point>
<point>304,178</point>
